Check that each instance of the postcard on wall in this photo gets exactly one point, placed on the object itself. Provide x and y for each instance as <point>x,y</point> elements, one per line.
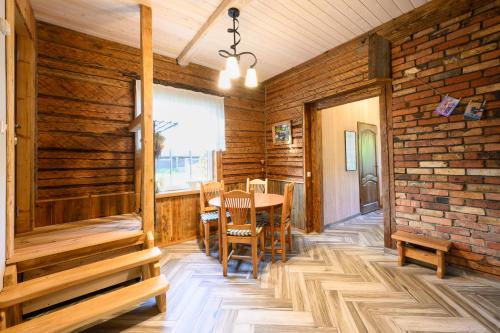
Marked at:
<point>474,110</point>
<point>350,150</point>
<point>282,133</point>
<point>447,105</point>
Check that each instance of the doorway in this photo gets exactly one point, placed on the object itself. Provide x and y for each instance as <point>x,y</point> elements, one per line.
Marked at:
<point>313,154</point>
<point>350,160</point>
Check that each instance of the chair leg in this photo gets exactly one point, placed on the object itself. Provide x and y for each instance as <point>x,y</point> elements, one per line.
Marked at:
<point>273,245</point>
<point>255,258</point>
<point>262,245</point>
<point>283,245</point>
<point>207,238</point>
<point>224,255</point>
<point>290,237</point>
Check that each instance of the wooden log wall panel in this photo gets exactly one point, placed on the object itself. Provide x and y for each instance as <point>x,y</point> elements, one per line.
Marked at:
<point>49,212</point>
<point>25,129</point>
<point>85,104</point>
<point>454,46</point>
<point>298,209</point>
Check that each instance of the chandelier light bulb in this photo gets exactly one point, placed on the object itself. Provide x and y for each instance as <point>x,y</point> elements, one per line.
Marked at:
<point>232,67</point>
<point>224,81</point>
<point>251,78</point>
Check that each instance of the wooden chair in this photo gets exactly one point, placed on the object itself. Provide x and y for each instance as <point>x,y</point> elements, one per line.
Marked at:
<point>243,229</point>
<point>258,185</point>
<point>282,225</point>
<point>209,215</point>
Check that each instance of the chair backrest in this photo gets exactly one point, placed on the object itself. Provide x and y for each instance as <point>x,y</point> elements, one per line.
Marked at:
<point>258,185</point>
<point>241,208</point>
<point>286,210</point>
<point>208,191</point>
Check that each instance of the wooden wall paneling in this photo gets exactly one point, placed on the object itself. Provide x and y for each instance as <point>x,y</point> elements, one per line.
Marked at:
<point>147,158</point>
<point>298,209</point>
<point>25,127</point>
<point>10,96</point>
<point>177,218</point>
<point>101,156</point>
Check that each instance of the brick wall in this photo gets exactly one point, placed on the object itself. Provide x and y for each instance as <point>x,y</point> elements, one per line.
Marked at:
<point>447,170</point>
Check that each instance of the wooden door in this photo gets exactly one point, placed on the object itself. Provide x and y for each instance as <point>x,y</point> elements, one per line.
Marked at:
<point>368,175</point>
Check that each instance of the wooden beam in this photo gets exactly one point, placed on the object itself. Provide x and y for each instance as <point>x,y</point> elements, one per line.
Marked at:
<point>26,13</point>
<point>379,57</point>
<point>147,184</point>
<point>10,12</point>
<point>135,124</point>
<point>185,56</point>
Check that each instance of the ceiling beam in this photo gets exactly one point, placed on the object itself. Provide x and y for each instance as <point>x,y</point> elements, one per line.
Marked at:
<point>185,56</point>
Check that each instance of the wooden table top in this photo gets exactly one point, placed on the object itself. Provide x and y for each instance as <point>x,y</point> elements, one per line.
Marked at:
<point>262,200</point>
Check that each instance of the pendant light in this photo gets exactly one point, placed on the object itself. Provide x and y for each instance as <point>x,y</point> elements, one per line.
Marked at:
<point>232,69</point>
<point>224,80</point>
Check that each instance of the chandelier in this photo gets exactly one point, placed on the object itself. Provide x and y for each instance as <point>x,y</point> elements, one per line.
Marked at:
<point>232,70</point>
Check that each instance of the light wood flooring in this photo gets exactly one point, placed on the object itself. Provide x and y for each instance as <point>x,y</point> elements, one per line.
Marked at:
<point>338,281</point>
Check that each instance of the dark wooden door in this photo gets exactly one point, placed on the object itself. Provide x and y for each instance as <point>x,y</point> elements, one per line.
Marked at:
<point>368,175</point>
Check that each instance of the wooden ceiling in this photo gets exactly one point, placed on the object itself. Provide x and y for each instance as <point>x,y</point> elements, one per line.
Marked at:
<point>282,33</point>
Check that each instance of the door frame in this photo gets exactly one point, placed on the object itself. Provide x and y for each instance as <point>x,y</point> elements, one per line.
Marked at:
<point>313,169</point>
<point>359,163</point>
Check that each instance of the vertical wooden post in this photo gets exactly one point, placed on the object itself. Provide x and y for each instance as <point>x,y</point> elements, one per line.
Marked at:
<point>11,127</point>
<point>147,184</point>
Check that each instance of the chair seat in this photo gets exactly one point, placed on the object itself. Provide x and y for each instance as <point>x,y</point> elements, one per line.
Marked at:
<point>243,232</point>
<point>211,216</point>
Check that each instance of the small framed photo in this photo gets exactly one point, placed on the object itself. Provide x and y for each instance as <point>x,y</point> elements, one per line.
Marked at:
<point>282,133</point>
<point>350,150</point>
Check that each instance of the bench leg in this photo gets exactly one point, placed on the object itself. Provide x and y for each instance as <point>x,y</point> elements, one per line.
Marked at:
<point>401,253</point>
<point>441,264</point>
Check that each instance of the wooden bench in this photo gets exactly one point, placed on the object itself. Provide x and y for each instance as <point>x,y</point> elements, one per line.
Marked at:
<point>436,258</point>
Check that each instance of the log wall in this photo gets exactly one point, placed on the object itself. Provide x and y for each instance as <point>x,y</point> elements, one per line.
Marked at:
<point>85,155</point>
<point>446,169</point>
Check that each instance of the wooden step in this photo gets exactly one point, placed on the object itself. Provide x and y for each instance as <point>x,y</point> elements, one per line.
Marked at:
<point>95,309</point>
<point>42,255</point>
<point>48,284</point>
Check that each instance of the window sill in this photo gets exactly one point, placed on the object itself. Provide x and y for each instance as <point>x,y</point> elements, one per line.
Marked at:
<point>176,193</point>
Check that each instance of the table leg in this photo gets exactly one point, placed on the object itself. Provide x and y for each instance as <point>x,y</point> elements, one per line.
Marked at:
<point>219,230</point>
<point>271,225</point>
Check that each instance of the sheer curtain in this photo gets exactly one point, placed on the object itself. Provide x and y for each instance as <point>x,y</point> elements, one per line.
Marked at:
<point>199,117</point>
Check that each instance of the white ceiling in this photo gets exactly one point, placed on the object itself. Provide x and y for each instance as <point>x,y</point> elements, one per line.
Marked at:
<point>282,33</point>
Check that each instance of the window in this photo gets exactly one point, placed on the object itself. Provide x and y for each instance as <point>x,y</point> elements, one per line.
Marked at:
<point>189,129</point>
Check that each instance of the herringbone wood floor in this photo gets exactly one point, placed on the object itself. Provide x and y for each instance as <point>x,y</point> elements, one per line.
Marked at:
<point>339,281</point>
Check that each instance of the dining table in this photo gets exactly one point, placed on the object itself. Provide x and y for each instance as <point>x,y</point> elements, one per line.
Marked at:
<point>263,202</point>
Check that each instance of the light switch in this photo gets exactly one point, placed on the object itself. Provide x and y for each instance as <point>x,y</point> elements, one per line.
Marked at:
<point>4,27</point>
<point>308,174</point>
<point>3,127</point>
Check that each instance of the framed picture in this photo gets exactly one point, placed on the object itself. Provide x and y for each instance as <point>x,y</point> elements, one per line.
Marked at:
<point>282,133</point>
<point>350,150</point>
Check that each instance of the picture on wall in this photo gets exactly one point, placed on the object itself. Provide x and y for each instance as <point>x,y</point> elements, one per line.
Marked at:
<point>282,133</point>
<point>350,150</point>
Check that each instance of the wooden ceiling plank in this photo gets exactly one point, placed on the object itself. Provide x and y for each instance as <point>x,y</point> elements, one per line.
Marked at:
<point>185,56</point>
